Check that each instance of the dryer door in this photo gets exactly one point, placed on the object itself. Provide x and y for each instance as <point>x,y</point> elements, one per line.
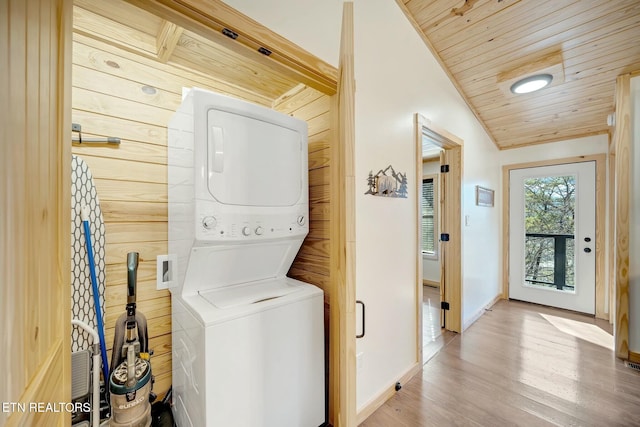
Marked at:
<point>252,162</point>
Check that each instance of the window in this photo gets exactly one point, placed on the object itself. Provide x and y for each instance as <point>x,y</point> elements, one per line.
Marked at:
<point>429,219</point>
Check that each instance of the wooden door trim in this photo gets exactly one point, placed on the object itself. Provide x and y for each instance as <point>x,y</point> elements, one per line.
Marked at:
<point>622,146</point>
<point>451,217</point>
<point>342,364</point>
<point>601,179</point>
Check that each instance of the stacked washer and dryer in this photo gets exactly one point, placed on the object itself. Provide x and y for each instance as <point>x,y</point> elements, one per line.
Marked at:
<point>248,342</point>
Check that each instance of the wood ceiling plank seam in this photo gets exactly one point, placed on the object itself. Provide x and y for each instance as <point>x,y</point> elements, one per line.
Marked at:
<point>550,93</point>
<point>472,73</point>
<point>524,48</point>
<point>259,83</point>
<point>556,28</point>
<point>95,26</point>
<point>96,54</point>
<point>475,15</point>
<point>617,66</point>
<point>544,34</point>
<point>478,91</point>
<point>550,31</point>
<point>455,83</point>
<point>569,87</point>
<point>522,16</point>
<point>545,139</point>
<point>230,64</point>
<point>594,119</point>
<point>517,113</point>
<point>538,133</point>
<point>429,12</point>
<point>582,50</point>
<point>487,82</point>
<point>123,13</point>
<point>548,140</point>
<point>534,108</point>
<point>547,119</point>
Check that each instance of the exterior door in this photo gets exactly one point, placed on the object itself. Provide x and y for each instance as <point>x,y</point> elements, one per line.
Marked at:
<point>552,219</point>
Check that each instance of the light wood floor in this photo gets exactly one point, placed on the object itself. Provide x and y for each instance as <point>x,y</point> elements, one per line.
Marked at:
<point>520,365</point>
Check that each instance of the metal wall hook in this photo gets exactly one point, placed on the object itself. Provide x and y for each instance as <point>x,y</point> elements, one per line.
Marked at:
<point>75,127</point>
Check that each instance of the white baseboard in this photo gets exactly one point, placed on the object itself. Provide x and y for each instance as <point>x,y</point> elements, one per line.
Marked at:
<point>386,394</point>
<point>480,312</point>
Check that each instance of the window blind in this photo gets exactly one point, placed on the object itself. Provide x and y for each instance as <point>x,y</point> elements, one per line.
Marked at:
<point>428,216</point>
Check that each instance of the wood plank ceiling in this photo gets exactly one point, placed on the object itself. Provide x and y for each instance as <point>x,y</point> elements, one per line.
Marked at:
<point>485,44</point>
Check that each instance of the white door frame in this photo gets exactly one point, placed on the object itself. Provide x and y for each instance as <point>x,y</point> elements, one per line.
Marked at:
<point>601,177</point>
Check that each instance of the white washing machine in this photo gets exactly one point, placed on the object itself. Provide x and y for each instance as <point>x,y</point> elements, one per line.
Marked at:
<point>248,342</point>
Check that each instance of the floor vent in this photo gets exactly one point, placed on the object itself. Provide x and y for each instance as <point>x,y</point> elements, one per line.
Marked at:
<point>632,365</point>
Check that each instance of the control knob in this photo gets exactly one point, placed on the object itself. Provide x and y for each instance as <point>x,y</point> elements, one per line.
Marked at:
<point>301,220</point>
<point>259,230</point>
<point>209,222</point>
<point>246,231</point>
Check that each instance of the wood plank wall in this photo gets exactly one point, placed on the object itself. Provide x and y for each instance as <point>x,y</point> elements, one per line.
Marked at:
<point>312,263</point>
<point>131,180</point>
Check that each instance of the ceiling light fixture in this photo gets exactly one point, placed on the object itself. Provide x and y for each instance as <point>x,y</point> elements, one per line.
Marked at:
<point>531,83</point>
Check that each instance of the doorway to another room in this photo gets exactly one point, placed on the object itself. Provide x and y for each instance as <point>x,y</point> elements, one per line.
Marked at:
<point>438,273</point>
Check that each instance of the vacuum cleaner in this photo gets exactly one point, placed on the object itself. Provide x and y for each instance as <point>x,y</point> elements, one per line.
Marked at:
<point>130,381</point>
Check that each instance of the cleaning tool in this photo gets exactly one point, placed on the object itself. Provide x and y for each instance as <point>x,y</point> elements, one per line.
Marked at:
<point>96,294</point>
<point>131,380</point>
<point>95,400</point>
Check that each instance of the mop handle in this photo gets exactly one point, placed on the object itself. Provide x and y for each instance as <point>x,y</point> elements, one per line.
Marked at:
<point>96,296</point>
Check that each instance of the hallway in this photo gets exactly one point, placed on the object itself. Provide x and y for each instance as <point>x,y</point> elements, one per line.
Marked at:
<point>521,364</point>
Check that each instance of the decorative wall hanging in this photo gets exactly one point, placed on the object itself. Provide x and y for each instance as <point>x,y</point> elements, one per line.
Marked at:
<point>484,196</point>
<point>387,183</point>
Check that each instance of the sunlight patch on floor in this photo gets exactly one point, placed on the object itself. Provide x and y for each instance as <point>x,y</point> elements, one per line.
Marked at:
<point>584,331</point>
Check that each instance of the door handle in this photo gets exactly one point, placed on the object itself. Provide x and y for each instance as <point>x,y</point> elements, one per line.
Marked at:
<point>363,319</point>
<point>587,250</point>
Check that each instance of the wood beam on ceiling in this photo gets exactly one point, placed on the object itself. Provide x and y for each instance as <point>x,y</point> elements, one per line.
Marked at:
<point>168,36</point>
<point>209,19</point>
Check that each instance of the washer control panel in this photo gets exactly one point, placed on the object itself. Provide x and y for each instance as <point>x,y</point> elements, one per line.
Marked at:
<point>214,227</point>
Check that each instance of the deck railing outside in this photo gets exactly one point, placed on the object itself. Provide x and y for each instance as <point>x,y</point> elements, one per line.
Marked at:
<point>550,260</point>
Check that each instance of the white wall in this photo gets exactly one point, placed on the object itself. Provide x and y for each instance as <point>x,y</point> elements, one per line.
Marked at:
<point>430,266</point>
<point>634,223</point>
<point>396,77</point>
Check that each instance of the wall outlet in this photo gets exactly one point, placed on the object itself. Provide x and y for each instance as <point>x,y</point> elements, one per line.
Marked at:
<point>359,361</point>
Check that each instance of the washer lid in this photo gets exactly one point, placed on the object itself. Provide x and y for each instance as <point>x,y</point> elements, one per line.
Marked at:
<point>250,293</point>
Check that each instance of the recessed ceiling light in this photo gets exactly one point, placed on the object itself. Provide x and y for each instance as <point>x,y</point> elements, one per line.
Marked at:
<point>149,90</point>
<point>532,83</point>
